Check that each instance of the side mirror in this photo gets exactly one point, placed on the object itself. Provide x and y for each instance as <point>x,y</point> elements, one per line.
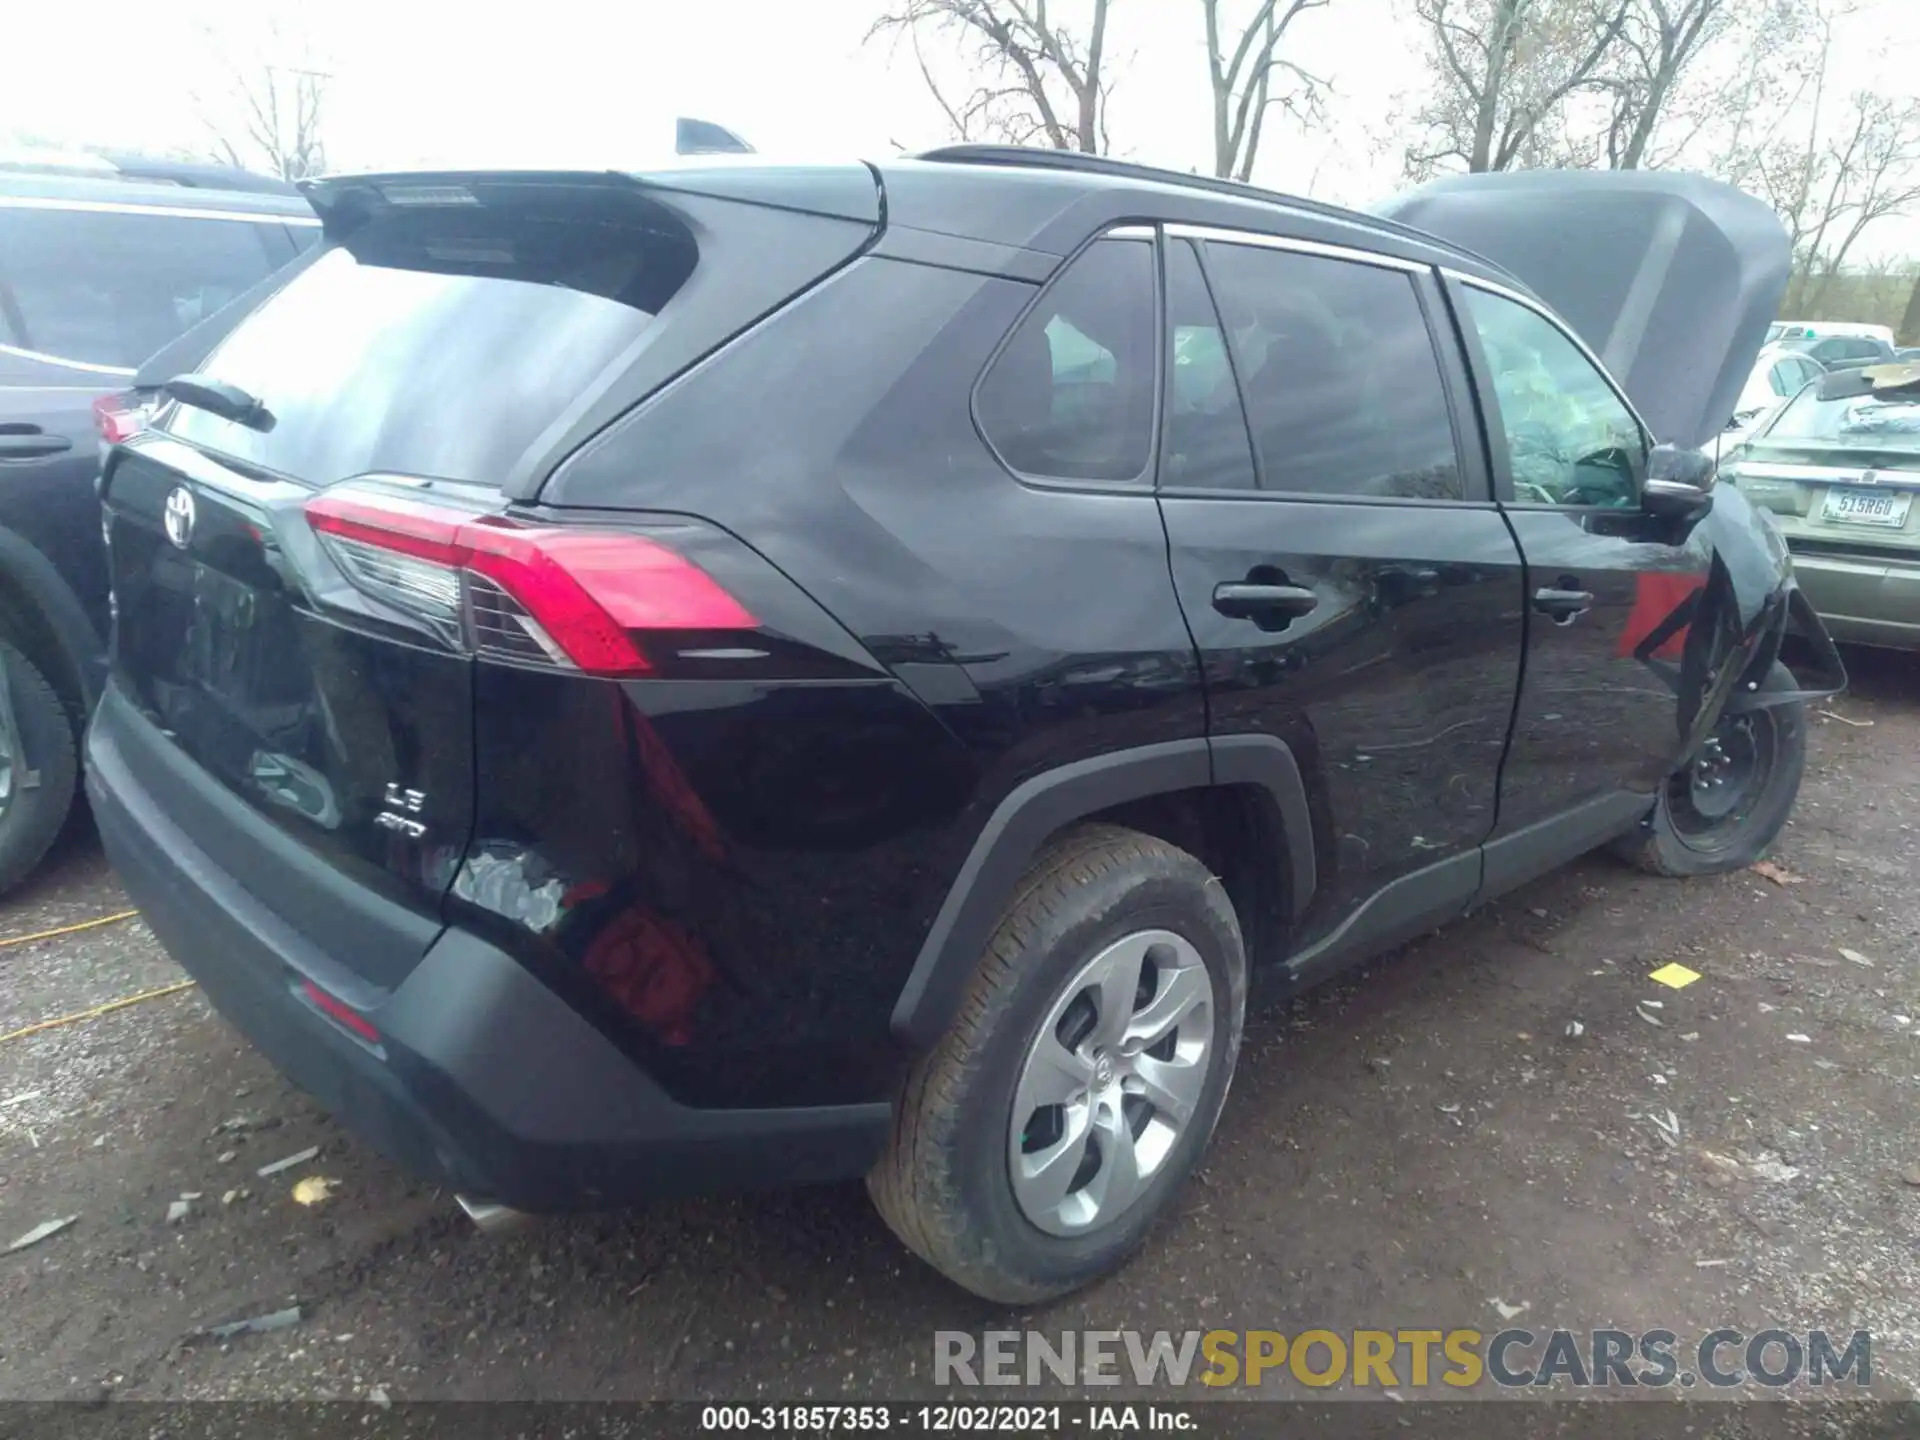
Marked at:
<point>1679,483</point>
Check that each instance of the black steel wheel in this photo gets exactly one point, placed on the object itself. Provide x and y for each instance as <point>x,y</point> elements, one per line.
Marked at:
<point>1728,804</point>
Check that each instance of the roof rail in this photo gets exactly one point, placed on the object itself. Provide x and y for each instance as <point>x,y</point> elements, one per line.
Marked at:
<point>197,175</point>
<point>1031,157</point>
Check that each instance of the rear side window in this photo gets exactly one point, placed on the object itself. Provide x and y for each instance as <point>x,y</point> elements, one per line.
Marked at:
<point>1342,386</point>
<point>1848,348</point>
<point>444,341</point>
<point>109,287</point>
<point>1071,394</point>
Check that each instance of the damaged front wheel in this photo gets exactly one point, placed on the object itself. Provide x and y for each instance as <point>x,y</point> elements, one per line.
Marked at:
<point>1724,808</point>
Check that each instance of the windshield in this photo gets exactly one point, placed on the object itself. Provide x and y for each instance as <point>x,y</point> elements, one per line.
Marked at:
<point>1881,422</point>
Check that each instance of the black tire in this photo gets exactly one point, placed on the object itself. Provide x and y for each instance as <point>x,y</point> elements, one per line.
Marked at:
<point>943,1183</point>
<point>31,818</point>
<point>1677,840</point>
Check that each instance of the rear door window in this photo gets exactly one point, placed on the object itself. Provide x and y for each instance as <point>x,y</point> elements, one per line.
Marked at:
<point>1070,396</point>
<point>1337,366</point>
<point>104,289</point>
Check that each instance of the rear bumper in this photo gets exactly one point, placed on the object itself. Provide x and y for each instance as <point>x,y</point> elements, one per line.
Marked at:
<point>483,1079</point>
<point>1867,601</point>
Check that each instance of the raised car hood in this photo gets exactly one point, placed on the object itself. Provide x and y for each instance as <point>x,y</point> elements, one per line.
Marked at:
<point>1671,279</point>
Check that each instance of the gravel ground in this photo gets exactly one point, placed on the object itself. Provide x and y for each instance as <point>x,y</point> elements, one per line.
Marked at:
<point>1423,1143</point>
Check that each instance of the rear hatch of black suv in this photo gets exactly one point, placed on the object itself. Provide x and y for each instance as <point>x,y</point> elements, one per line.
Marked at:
<point>311,550</point>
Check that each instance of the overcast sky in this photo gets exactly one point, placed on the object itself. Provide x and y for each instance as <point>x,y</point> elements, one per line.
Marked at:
<point>595,82</point>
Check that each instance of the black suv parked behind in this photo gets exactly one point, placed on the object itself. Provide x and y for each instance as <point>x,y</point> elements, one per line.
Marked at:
<point>101,263</point>
<point>760,675</point>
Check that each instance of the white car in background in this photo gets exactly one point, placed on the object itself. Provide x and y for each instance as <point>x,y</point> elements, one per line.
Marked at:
<point>1779,373</point>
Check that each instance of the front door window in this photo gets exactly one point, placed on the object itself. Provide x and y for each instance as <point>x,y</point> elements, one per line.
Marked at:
<point>1570,437</point>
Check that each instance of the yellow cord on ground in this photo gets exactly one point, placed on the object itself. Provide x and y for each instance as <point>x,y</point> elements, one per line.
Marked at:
<point>68,929</point>
<point>99,1010</point>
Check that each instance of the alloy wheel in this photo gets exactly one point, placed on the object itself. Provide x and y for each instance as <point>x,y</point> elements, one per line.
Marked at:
<point>1111,1081</point>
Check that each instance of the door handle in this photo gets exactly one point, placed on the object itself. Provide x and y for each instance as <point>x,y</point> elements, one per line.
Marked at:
<point>32,447</point>
<point>1245,600</point>
<point>1565,606</point>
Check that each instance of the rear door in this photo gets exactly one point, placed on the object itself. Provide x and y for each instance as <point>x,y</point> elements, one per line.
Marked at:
<point>1609,589</point>
<point>87,291</point>
<point>1349,582</point>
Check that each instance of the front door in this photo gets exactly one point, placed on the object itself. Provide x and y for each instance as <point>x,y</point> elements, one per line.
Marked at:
<point>1352,588</point>
<point>1609,589</point>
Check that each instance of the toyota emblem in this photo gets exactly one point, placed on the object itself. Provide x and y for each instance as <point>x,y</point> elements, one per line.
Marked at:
<point>179,516</point>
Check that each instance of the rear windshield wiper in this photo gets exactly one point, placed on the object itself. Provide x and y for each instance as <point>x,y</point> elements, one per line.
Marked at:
<point>217,397</point>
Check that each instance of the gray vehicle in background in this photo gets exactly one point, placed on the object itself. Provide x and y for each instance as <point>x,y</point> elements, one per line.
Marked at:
<point>1842,352</point>
<point>102,262</point>
<point>1839,468</point>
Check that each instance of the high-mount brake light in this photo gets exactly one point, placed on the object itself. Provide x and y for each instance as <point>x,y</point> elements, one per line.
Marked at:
<point>532,594</point>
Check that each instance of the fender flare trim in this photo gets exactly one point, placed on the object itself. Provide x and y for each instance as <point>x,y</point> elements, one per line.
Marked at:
<point>1266,761</point>
<point>1042,805</point>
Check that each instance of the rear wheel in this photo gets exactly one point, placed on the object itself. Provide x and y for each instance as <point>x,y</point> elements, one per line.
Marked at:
<point>38,765</point>
<point>1035,1146</point>
<point>1722,811</point>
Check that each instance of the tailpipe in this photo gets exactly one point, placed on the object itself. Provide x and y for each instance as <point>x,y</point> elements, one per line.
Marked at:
<point>491,1219</point>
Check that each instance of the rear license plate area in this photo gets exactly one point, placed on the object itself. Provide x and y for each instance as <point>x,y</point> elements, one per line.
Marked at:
<point>1860,505</point>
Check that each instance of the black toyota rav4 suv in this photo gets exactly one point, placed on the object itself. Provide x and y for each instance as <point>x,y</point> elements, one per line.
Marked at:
<point>752,675</point>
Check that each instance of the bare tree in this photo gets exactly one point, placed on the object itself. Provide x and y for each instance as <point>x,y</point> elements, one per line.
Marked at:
<point>1503,70</point>
<point>1684,72</point>
<point>1909,331</point>
<point>1832,175</point>
<point>267,111</point>
<point>1243,82</point>
<point>1658,40</point>
<point>1866,170</point>
<point>1036,80</point>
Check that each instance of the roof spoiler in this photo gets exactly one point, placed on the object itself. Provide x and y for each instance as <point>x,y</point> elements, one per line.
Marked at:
<point>845,192</point>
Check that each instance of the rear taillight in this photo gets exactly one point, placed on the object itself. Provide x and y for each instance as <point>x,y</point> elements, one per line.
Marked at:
<point>533,594</point>
<point>118,417</point>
